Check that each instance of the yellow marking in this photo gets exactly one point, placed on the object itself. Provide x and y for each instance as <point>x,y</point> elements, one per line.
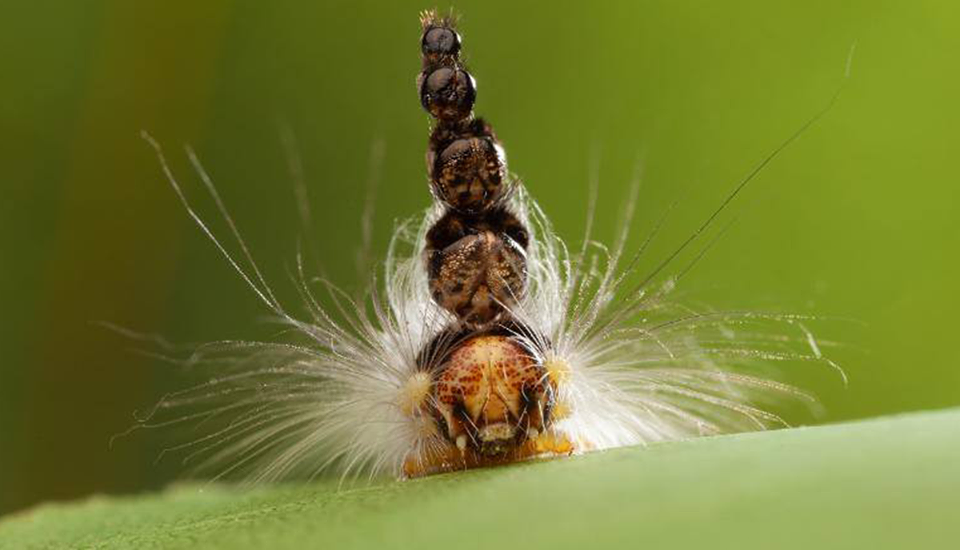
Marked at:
<point>560,410</point>
<point>558,370</point>
<point>554,444</point>
<point>414,393</point>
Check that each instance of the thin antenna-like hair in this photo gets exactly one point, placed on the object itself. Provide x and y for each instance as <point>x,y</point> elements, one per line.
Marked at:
<point>433,18</point>
<point>326,398</point>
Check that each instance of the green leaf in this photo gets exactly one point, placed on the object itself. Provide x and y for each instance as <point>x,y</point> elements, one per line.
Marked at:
<point>886,483</point>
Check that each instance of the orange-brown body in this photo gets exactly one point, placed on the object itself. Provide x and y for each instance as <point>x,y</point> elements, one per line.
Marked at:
<point>491,396</point>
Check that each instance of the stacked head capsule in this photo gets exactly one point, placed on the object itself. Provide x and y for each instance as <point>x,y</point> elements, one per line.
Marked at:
<point>476,252</point>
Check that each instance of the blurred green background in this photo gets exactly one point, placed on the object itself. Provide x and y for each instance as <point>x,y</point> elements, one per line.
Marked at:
<point>856,222</point>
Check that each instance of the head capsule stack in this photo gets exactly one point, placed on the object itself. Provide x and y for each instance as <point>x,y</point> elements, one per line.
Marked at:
<point>476,251</point>
<point>488,396</point>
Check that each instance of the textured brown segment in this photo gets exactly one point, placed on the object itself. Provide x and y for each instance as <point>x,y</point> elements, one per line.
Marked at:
<point>476,265</point>
<point>448,93</point>
<point>468,174</point>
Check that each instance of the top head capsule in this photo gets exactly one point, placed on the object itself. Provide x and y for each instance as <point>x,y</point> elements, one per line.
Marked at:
<point>439,42</point>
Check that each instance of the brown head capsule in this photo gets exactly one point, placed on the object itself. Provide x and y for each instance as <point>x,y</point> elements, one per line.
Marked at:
<point>491,397</point>
<point>438,43</point>
<point>468,174</point>
<point>477,265</point>
<point>448,93</point>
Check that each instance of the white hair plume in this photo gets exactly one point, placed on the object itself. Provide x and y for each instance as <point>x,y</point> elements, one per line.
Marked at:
<point>631,366</point>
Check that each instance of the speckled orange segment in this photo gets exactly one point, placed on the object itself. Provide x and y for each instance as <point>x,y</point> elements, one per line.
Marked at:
<point>491,396</point>
<point>494,380</point>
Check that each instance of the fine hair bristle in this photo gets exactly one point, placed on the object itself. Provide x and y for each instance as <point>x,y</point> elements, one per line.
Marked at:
<point>433,18</point>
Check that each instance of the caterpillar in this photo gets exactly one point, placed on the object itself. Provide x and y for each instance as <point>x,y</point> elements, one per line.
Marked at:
<point>487,340</point>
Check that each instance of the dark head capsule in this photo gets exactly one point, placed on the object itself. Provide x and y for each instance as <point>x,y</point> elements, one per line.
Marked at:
<point>448,93</point>
<point>477,265</point>
<point>468,174</point>
<point>440,42</point>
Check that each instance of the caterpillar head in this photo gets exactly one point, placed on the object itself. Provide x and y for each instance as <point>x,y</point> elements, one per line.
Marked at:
<point>491,397</point>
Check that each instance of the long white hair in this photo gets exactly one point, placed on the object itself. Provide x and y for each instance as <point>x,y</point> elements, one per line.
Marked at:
<point>631,365</point>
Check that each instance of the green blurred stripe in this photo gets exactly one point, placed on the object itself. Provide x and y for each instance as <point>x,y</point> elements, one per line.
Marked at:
<point>114,254</point>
